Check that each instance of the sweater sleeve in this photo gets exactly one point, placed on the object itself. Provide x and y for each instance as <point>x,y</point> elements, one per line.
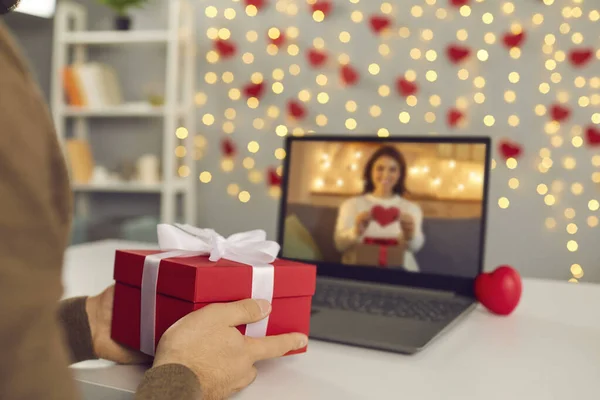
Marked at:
<point>345,235</point>
<point>418,239</point>
<point>169,382</point>
<point>34,225</point>
<point>75,323</point>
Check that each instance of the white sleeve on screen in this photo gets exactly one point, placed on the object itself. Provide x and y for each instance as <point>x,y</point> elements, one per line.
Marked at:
<point>418,239</point>
<point>345,235</point>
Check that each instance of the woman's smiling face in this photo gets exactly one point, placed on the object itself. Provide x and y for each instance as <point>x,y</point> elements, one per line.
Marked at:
<point>385,174</point>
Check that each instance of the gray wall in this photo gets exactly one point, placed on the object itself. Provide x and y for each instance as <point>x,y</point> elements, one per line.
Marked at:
<point>35,36</point>
<point>516,236</point>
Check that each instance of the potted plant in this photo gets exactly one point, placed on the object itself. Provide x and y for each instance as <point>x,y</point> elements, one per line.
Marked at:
<point>123,20</point>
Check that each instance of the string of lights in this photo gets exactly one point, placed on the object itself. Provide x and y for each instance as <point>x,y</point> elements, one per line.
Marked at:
<point>358,66</point>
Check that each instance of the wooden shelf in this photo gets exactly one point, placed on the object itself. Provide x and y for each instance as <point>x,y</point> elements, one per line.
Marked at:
<point>127,187</point>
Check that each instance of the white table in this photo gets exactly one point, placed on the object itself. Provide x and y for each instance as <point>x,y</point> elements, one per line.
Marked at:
<point>548,349</point>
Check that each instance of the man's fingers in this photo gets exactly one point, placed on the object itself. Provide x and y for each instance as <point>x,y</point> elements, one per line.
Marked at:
<point>276,346</point>
<point>247,380</point>
<point>240,312</point>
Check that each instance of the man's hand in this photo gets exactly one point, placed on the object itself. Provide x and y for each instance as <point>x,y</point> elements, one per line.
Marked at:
<point>207,342</point>
<point>362,222</point>
<point>407,223</point>
<point>99,310</point>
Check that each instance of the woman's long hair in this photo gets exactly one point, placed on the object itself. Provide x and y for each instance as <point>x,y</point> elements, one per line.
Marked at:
<point>386,151</point>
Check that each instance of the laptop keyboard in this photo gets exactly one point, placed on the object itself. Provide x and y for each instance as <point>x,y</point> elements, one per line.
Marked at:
<point>387,304</point>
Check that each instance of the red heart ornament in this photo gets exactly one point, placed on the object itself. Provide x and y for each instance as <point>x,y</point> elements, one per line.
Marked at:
<point>454,116</point>
<point>580,57</point>
<point>514,40</point>
<point>225,48</point>
<point>510,149</point>
<point>296,109</point>
<point>385,216</point>
<point>256,3</point>
<point>349,75</point>
<point>273,177</point>
<point>379,23</point>
<point>457,53</point>
<point>323,6</point>
<point>228,147</point>
<point>316,58</point>
<point>277,41</point>
<point>459,3</point>
<point>254,90</point>
<point>592,136</point>
<point>559,113</point>
<point>405,87</point>
<point>499,291</point>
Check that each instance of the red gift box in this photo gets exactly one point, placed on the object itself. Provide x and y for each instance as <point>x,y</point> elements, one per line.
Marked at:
<point>188,283</point>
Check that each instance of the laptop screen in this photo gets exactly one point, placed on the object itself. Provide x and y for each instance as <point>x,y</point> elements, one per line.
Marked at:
<point>402,204</point>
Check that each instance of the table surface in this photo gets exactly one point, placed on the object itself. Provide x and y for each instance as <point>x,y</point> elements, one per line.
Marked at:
<point>549,348</point>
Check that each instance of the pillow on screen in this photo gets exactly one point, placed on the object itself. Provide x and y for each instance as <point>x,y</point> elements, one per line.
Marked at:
<point>298,242</point>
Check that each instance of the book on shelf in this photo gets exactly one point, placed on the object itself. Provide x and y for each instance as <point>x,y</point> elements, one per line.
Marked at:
<point>81,160</point>
<point>91,85</point>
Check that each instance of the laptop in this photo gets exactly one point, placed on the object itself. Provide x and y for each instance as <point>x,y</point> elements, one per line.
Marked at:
<point>396,227</point>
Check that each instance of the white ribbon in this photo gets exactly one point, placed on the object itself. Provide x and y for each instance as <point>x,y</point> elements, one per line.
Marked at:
<point>251,248</point>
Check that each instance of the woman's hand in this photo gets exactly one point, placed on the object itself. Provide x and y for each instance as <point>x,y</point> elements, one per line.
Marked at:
<point>208,343</point>
<point>407,223</point>
<point>361,222</point>
<point>99,310</point>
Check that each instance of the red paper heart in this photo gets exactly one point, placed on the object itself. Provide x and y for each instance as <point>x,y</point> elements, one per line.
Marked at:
<point>580,57</point>
<point>228,147</point>
<point>278,41</point>
<point>510,149</point>
<point>459,3</point>
<point>385,216</point>
<point>379,23</point>
<point>296,109</point>
<point>559,113</point>
<point>457,53</point>
<point>514,40</point>
<point>254,90</point>
<point>323,6</point>
<point>405,87</point>
<point>454,116</point>
<point>316,58</point>
<point>225,48</point>
<point>256,3</point>
<point>592,135</point>
<point>500,290</point>
<point>273,177</point>
<point>349,75</point>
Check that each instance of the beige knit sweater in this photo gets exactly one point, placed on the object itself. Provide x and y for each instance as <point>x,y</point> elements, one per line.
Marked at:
<point>35,218</point>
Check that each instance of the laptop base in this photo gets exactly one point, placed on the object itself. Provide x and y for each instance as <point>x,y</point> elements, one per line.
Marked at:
<point>383,332</point>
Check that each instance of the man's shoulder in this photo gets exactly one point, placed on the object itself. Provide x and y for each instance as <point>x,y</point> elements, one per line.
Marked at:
<point>354,201</point>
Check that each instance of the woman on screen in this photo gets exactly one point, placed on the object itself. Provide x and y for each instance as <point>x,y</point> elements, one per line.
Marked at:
<point>381,227</point>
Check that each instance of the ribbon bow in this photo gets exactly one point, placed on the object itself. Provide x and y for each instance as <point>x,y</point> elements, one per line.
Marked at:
<point>251,247</point>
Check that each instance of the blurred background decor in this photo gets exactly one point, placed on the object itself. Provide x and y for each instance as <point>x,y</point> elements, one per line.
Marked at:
<point>524,73</point>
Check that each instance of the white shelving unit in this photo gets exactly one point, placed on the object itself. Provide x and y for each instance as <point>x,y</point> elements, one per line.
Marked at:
<point>72,37</point>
